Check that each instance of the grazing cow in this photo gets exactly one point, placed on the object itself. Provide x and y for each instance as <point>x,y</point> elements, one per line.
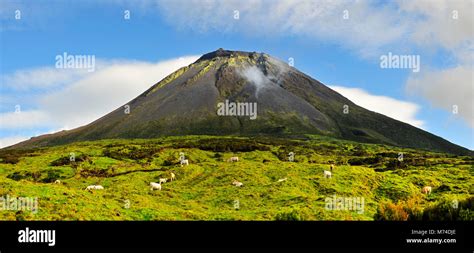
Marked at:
<point>327,174</point>
<point>281,179</point>
<point>426,190</point>
<point>173,176</point>
<point>95,187</point>
<point>163,180</point>
<point>184,162</point>
<point>155,186</point>
<point>237,183</point>
<point>57,181</point>
<point>331,167</point>
<point>233,159</point>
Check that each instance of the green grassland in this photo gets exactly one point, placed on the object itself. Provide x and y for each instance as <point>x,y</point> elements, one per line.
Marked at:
<point>390,187</point>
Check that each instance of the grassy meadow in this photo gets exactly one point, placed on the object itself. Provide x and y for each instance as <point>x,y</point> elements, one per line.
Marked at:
<point>388,179</point>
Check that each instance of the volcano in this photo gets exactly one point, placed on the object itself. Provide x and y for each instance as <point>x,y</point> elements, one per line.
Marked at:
<point>246,93</point>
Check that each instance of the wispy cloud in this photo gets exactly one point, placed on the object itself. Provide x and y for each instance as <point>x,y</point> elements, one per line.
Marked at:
<point>364,26</point>
<point>10,140</point>
<point>367,28</point>
<point>398,109</point>
<point>41,78</point>
<point>88,96</point>
<point>448,89</point>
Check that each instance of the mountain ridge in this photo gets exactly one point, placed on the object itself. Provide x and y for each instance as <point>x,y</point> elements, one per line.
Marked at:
<point>290,103</point>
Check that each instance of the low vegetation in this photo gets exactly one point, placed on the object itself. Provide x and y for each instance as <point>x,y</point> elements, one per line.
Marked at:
<point>388,180</point>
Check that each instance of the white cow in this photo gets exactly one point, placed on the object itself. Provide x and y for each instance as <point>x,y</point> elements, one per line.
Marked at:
<point>57,181</point>
<point>184,162</point>
<point>282,179</point>
<point>95,187</point>
<point>327,174</point>
<point>163,180</point>
<point>237,183</point>
<point>426,190</point>
<point>155,186</point>
<point>173,176</point>
<point>233,159</point>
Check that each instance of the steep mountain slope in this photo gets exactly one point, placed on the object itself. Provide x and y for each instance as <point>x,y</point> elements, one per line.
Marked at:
<point>289,103</point>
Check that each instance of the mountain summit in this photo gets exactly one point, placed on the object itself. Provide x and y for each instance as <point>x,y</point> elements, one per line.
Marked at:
<point>246,93</point>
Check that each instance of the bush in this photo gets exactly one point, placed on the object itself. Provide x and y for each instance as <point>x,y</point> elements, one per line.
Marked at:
<point>132,152</point>
<point>447,210</point>
<point>33,176</point>
<point>366,161</point>
<point>18,176</point>
<point>170,160</point>
<point>94,173</point>
<point>389,211</point>
<point>11,159</point>
<point>51,176</point>
<point>13,156</point>
<point>401,211</point>
<point>223,145</point>
<point>293,214</point>
<point>395,164</point>
<point>359,151</point>
<point>288,216</point>
<point>66,160</point>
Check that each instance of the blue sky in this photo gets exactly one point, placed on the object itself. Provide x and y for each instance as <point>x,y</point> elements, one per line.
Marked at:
<point>342,53</point>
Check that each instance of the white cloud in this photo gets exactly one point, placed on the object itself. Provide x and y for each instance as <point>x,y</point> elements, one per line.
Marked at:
<point>98,94</point>
<point>24,119</point>
<point>400,110</point>
<point>91,96</point>
<point>368,28</point>
<point>446,24</point>
<point>10,140</point>
<point>446,88</point>
<point>41,78</point>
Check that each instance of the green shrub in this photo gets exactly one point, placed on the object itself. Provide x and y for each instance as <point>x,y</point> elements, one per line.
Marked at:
<point>13,156</point>
<point>288,216</point>
<point>33,176</point>
<point>293,214</point>
<point>366,161</point>
<point>170,160</point>
<point>450,210</point>
<point>395,164</point>
<point>51,176</point>
<point>223,145</point>
<point>132,152</point>
<point>11,159</point>
<point>66,160</point>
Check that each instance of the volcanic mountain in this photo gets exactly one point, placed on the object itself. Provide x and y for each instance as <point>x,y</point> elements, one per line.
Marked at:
<point>288,103</point>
